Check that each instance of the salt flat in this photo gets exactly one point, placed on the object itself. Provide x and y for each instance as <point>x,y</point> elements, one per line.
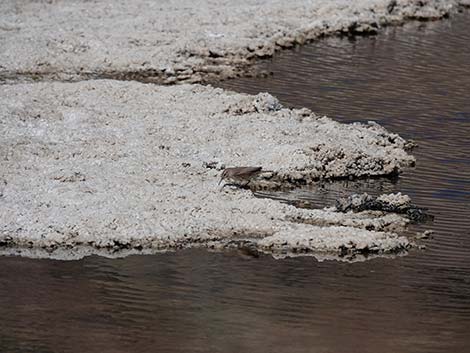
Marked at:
<point>107,164</point>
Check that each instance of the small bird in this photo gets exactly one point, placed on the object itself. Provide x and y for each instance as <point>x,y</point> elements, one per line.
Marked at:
<point>240,175</point>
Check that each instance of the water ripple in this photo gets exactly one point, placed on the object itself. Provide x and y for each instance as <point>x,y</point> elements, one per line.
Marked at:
<point>414,80</point>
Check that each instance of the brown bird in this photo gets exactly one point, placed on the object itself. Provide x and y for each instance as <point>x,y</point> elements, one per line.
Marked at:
<point>240,175</point>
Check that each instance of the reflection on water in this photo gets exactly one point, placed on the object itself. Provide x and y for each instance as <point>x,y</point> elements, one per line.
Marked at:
<point>194,301</point>
<point>415,80</point>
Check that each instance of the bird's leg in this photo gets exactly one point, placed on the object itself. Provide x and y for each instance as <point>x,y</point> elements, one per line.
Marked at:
<point>229,184</point>
<point>238,186</point>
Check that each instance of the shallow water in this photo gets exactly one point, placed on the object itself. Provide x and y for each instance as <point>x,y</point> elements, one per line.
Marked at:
<point>415,80</point>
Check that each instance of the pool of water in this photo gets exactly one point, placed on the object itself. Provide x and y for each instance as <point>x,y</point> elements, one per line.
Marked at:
<point>415,80</point>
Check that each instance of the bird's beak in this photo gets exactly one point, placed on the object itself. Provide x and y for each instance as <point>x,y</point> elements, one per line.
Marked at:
<point>220,181</point>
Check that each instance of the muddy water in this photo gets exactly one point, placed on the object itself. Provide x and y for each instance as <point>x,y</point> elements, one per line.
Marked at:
<point>415,80</point>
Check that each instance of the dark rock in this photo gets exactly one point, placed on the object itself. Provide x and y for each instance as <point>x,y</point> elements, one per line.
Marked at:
<point>392,203</point>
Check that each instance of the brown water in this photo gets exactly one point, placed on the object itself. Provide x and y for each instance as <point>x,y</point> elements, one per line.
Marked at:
<point>415,80</point>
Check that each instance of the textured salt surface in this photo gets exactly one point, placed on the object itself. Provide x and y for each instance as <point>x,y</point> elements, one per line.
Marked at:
<point>124,164</point>
<point>172,41</point>
<point>120,166</point>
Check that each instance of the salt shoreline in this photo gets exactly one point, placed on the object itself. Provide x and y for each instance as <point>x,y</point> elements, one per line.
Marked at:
<point>106,165</point>
<point>179,41</point>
